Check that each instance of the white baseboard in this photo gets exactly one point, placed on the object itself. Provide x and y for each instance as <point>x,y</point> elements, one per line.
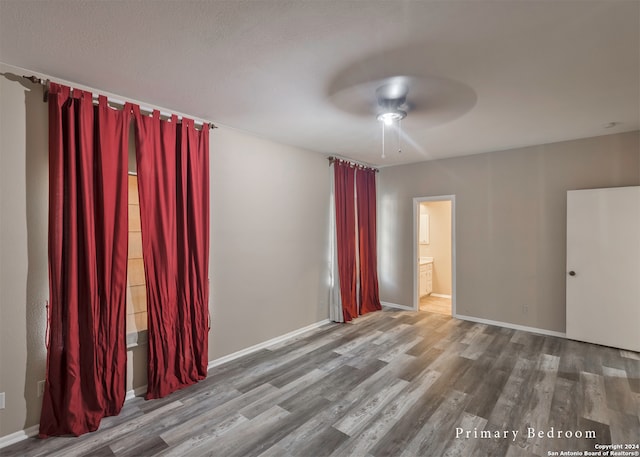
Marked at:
<point>20,435</point>
<point>540,331</point>
<point>440,295</point>
<point>265,344</point>
<point>395,305</point>
<point>136,392</point>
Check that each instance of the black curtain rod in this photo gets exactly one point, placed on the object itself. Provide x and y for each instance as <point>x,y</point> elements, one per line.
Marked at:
<point>351,162</point>
<point>45,83</point>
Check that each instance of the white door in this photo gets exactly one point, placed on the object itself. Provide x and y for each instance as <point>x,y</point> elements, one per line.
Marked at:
<point>603,266</point>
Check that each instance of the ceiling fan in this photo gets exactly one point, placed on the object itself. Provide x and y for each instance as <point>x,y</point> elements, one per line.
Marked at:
<point>430,100</point>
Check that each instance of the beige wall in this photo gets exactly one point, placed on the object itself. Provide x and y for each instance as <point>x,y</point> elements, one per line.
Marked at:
<point>439,246</point>
<point>269,238</point>
<point>510,223</point>
<point>23,251</point>
<point>269,234</point>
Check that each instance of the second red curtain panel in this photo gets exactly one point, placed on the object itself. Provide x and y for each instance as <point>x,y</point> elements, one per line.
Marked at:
<point>173,180</point>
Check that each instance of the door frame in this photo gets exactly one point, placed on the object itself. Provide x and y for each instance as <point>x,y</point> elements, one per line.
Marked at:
<point>416,247</point>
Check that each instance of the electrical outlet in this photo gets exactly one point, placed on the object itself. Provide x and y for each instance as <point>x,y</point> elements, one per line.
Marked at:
<point>40,388</point>
<point>1,400</point>
<point>525,309</point>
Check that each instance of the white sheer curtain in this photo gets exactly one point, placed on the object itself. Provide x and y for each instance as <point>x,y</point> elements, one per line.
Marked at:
<point>335,299</point>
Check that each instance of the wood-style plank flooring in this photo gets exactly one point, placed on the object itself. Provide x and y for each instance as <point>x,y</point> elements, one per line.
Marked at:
<point>433,304</point>
<point>394,383</point>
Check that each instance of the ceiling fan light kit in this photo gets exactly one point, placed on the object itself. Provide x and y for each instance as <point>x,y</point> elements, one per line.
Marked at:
<point>389,117</point>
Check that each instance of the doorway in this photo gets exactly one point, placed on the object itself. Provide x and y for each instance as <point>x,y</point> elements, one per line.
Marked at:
<point>434,254</point>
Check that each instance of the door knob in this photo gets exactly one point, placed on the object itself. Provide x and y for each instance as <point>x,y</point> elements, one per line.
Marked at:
<point>572,273</point>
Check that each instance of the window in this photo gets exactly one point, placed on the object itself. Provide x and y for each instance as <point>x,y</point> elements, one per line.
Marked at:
<point>136,288</point>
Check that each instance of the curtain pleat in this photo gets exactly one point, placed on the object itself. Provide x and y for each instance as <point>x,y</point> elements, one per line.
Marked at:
<point>173,182</point>
<point>366,207</point>
<point>86,357</point>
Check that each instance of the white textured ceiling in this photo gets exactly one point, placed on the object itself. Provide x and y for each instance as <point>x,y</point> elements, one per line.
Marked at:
<point>534,71</point>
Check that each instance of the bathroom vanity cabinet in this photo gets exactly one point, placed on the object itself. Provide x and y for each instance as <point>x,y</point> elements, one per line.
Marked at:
<point>426,278</point>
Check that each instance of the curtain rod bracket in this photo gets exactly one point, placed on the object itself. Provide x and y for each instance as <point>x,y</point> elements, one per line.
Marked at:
<point>33,79</point>
<point>43,82</point>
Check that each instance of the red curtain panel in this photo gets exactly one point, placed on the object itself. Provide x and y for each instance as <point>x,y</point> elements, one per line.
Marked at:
<point>173,183</point>
<point>86,358</point>
<point>346,236</point>
<point>366,207</point>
